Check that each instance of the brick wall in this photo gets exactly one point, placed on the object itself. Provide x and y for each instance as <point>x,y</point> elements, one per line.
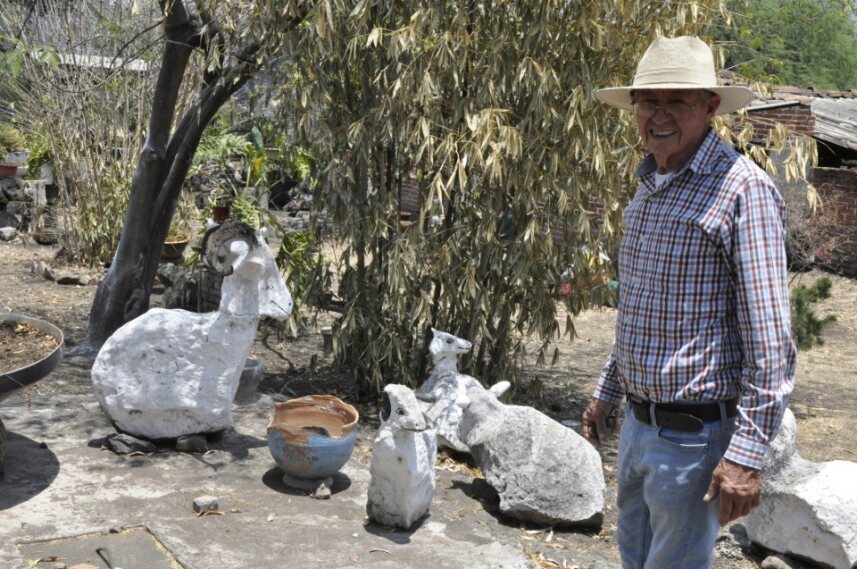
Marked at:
<point>837,189</point>
<point>798,119</point>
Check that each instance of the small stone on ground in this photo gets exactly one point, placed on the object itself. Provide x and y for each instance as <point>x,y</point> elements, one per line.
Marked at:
<point>192,444</point>
<point>203,504</point>
<point>122,443</point>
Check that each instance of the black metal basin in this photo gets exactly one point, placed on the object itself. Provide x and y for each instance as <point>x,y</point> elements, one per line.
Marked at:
<point>20,378</point>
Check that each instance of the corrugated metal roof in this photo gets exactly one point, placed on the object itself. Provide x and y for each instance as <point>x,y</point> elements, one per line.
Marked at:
<point>836,121</point>
<point>834,112</point>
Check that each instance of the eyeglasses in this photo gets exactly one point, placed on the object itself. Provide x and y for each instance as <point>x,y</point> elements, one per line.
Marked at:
<point>675,109</point>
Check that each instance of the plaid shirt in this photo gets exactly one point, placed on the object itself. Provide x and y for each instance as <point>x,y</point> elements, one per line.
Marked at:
<point>704,305</point>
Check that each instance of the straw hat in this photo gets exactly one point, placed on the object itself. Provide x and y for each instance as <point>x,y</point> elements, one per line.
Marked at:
<point>677,63</point>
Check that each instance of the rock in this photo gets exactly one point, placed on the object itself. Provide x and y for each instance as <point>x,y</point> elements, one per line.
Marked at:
<point>71,279</point>
<point>60,565</point>
<point>8,220</point>
<point>808,509</point>
<point>322,492</point>
<point>543,472</point>
<point>42,269</point>
<point>8,233</point>
<point>192,444</point>
<point>3,438</point>
<point>123,443</point>
<point>249,381</point>
<point>170,274</point>
<point>779,562</point>
<point>206,504</point>
<point>37,267</point>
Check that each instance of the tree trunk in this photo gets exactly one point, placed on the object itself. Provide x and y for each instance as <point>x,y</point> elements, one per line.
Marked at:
<point>155,188</point>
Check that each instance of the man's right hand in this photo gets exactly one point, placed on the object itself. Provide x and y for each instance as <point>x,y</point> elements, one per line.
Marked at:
<point>599,421</point>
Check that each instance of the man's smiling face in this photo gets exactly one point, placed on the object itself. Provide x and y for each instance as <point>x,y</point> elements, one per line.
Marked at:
<point>673,123</point>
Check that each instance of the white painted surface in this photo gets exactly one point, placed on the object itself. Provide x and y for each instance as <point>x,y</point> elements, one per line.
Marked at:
<point>169,373</point>
<point>402,481</point>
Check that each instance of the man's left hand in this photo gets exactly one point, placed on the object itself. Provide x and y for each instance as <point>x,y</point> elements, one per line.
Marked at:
<point>739,488</point>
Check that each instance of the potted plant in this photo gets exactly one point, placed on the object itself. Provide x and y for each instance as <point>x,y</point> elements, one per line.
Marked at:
<point>180,231</point>
<point>12,154</point>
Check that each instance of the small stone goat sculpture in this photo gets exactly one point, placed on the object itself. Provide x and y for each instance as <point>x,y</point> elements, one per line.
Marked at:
<point>445,386</point>
<point>170,373</point>
<point>402,467</point>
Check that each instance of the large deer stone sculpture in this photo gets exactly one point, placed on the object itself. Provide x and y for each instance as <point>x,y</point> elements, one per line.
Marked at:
<point>170,373</point>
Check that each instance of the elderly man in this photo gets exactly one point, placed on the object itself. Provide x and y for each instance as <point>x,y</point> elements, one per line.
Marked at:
<point>703,351</point>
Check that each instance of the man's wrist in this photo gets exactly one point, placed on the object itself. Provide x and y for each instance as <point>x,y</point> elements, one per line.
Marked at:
<point>742,466</point>
<point>748,454</point>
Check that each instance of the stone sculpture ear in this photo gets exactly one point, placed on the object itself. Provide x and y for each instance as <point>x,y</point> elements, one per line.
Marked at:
<point>436,345</point>
<point>386,408</point>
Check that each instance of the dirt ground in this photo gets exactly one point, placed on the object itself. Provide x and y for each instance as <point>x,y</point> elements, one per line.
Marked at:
<point>823,400</point>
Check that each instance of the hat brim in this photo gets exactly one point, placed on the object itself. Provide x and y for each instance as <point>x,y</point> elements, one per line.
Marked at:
<point>732,98</point>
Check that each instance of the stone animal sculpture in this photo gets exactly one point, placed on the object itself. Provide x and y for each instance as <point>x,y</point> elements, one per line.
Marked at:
<point>402,467</point>
<point>808,509</point>
<point>170,373</point>
<point>543,472</point>
<point>446,385</point>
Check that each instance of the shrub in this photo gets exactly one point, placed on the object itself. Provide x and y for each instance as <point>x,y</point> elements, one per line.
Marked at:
<point>10,139</point>
<point>806,326</point>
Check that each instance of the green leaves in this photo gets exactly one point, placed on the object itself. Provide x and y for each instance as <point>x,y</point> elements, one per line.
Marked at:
<point>479,121</point>
<point>794,42</point>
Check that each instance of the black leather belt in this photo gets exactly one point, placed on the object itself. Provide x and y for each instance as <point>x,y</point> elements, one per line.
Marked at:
<point>681,416</point>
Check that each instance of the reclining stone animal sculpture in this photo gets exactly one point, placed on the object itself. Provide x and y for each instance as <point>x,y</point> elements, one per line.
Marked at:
<point>808,509</point>
<point>446,385</point>
<point>543,472</point>
<point>170,372</point>
<point>402,467</point>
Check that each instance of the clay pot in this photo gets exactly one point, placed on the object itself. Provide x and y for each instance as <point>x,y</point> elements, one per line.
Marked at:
<point>311,438</point>
<point>174,249</point>
<point>8,170</point>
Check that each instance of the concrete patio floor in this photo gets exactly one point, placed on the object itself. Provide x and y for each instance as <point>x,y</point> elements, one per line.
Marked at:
<point>61,483</point>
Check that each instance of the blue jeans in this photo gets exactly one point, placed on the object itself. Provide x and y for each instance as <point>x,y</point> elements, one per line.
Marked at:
<point>663,475</point>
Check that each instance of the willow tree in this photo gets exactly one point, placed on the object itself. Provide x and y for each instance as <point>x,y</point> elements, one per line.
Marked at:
<point>487,106</point>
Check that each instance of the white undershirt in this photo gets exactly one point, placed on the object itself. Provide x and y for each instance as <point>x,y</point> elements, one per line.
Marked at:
<point>661,179</point>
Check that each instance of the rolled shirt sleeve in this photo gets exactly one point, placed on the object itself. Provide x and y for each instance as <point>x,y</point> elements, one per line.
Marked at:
<point>609,389</point>
<point>760,273</point>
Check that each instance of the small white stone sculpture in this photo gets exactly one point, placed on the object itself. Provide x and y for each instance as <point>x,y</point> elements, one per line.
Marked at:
<point>170,373</point>
<point>402,467</point>
<point>543,472</point>
<point>808,509</point>
<point>445,386</point>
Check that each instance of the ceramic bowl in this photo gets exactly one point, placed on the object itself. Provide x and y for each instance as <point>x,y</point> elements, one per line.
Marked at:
<point>312,437</point>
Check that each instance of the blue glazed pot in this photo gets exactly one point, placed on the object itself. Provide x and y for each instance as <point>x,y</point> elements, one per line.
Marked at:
<point>312,437</point>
